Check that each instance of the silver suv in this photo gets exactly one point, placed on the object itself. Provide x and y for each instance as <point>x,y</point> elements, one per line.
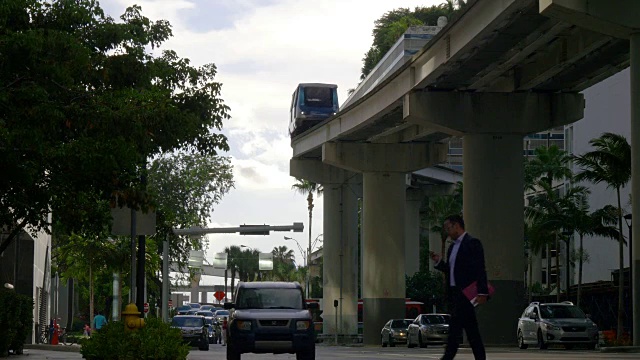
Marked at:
<point>270,317</point>
<point>542,324</point>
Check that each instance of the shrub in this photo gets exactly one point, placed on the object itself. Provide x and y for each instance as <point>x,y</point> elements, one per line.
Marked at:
<point>15,321</point>
<point>156,340</point>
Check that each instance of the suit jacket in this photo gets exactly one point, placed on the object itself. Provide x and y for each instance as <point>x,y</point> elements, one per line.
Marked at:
<point>469,264</point>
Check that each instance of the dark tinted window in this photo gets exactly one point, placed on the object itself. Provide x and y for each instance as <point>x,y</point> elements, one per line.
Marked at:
<point>435,319</point>
<point>400,324</point>
<point>269,299</point>
<point>187,321</point>
<point>318,96</point>
<point>561,312</point>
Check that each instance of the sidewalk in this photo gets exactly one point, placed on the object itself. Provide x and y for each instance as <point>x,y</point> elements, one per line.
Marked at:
<point>48,352</point>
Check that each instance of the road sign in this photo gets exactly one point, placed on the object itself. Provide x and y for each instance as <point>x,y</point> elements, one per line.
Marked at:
<point>146,308</point>
<point>170,303</point>
<point>219,295</point>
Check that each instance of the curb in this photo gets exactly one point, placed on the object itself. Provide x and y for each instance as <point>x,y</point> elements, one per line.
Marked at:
<point>620,349</point>
<point>60,347</point>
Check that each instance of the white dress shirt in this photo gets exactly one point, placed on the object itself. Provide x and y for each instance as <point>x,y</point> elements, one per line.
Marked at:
<point>452,259</point>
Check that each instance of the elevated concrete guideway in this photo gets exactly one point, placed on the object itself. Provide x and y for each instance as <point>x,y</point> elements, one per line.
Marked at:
<point>501,70</point>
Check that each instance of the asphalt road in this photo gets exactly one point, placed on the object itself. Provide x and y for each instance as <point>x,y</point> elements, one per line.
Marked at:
<point>218,352</point>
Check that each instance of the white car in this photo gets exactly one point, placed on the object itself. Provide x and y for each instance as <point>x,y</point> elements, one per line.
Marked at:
<point>543,324</point>
<point>429,329</point>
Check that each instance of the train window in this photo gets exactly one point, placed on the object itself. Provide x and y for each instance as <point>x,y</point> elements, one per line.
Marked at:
<point>318,96</point>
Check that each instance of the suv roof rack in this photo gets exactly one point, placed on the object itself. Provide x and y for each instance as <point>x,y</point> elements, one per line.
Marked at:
<point>567,302</point>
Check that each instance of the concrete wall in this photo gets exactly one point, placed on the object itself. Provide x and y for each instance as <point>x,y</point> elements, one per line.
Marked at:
<point>607,109</point>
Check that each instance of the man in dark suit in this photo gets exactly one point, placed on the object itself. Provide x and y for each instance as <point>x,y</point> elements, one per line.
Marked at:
<point>464,265</point>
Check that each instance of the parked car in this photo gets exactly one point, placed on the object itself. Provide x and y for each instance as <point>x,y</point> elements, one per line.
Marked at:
<point>429,329</point>
<point>194,330</point>
<point>543,324</point>
<point>270,317</point>
<point>394,332</point>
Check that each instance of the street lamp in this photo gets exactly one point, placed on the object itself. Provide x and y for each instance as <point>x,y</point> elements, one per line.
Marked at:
<point>302,252</point>
<point>627,219</point>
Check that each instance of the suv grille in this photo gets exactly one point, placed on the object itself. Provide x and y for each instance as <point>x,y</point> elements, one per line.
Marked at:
<point>274,322</point>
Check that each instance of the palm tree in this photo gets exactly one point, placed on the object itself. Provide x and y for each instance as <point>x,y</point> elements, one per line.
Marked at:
<point>610,163</point>
<point>306,187</point>
<point>234,254</point>
<point>600,222</point>
<point>548,164</point>
<point>549,210</point>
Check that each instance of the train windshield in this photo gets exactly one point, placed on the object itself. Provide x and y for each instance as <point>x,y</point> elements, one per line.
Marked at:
<point>317,96</point>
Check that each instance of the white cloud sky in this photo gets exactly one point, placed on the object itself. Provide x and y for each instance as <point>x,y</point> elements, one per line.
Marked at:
<point>263,49</point>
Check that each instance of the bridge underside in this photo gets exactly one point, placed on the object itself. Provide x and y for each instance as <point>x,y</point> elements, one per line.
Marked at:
<point>499,71</point>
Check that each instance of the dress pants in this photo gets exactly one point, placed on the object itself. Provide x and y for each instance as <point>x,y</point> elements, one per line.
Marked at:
<point>463,316</point>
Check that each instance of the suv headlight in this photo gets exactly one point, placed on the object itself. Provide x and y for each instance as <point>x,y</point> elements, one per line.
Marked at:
<point>243,324</point>
<point>548,326</point>
<point>303,324</point>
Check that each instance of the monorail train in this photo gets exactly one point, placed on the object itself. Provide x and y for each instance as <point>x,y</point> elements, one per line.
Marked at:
<point>312,103</point>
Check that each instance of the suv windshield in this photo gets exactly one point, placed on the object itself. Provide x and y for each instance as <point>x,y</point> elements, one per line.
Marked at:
<point>561,312</point>
<point>264,298</point>
<point>186,321</point>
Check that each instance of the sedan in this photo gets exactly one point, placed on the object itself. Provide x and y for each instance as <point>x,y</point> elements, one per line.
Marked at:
<point>394,331</point>
<point>429,329</point>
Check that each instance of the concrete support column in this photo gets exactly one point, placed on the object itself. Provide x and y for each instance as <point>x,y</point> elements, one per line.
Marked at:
<point>435,245</point>
<point>494,213</point>
<point>340,251</point>
<point>412,231</point>
<point>383,286</point>
<point>635,183</point>
<point>203,297</point>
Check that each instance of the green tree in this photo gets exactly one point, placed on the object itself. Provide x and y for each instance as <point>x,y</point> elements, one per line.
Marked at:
<point>427,287</point>
<point>234,254</point>
<point>306,187</point>
<point>600,222</point>
<point>390,26</point>
<point>439,207</point>
<point>184,189</point>
<point>610,163</point>
<point>549,210</point>
<point>86,104</point>
<point>549,164</point>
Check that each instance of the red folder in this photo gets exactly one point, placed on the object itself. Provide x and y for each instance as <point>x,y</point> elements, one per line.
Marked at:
<point>471,292</point>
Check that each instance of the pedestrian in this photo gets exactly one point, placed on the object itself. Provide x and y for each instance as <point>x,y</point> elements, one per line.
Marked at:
<point>464,265</point>
<point>99,321</point>
<point>224,331</point>
<point>86,330</point>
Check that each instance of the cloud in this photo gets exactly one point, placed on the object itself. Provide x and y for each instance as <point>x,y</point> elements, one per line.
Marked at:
<point>263,49</point>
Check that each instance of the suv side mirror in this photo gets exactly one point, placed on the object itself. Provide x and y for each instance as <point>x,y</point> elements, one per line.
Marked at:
<point>313,305</point>
<point>533,316</point>
<point>228,305</point>
<point>588,316</point>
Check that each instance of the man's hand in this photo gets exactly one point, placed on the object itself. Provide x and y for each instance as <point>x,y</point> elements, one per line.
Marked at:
<point>435,257</point>
<point>481,299</point>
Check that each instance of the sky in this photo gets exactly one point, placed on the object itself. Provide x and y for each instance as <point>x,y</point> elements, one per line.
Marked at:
<point>263,49</point>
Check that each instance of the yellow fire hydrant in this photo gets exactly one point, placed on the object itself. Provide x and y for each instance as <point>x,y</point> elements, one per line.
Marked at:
<point>132,320</point>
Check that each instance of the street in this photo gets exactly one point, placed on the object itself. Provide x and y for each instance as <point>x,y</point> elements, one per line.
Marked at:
<point>217,352</point>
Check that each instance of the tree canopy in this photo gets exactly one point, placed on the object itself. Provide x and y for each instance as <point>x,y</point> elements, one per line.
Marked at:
<point>84,102</point>
<point>388,28</point>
